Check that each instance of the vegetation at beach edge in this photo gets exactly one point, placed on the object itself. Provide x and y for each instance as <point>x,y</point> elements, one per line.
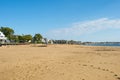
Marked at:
<point>24,38</point>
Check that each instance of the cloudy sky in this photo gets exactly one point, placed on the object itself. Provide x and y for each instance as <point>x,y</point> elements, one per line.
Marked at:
<point>84,20</point>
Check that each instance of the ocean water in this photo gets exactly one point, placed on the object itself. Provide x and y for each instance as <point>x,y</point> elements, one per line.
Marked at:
<point>104,44</point>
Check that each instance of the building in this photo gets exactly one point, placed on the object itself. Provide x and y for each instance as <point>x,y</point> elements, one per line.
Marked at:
<point>3,39</point>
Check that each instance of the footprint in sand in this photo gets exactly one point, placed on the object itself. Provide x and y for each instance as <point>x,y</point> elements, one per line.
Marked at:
<point>111,72</point>
<point>115,75</point>
<point>99,68</point>
<point>84,64</point>
<point>118,78</point>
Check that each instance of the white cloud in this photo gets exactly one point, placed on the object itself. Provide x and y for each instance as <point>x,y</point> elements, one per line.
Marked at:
<point>86,27</point>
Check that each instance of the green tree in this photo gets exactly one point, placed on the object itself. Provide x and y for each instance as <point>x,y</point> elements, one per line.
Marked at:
<point>37,38</point>
<point>8,32</point>
<point>15,39</point>
<point>27,38</point>
<point>21,39</point>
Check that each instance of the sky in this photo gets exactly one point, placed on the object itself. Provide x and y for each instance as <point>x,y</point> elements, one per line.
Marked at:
<point>81,20</point>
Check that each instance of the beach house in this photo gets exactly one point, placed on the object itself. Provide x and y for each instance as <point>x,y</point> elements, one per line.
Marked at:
<point>3,39</point>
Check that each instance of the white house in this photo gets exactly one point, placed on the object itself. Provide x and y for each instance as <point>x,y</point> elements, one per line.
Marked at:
<point>3,39</point>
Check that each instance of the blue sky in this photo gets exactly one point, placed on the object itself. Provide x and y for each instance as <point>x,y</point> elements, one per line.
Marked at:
<point>84,20</point>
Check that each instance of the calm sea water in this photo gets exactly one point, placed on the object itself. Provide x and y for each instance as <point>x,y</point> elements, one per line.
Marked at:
<point>104,44</point>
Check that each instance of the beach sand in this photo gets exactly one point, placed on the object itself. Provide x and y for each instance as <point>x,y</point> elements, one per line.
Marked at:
<point>59,62</point>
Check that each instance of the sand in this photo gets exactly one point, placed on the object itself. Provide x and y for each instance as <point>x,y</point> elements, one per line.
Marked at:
<point>59,62</point>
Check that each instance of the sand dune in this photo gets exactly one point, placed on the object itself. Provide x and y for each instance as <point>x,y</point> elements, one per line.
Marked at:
<point>59,62</point>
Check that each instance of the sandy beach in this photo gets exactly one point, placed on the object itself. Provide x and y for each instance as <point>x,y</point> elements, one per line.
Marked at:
<point>59,62</point>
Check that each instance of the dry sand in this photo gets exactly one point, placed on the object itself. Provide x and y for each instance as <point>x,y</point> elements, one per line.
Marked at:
<point>59,62</point>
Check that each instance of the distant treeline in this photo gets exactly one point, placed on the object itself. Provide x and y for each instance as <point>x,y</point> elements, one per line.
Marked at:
<point>66,42</point>
<point>38,38</point>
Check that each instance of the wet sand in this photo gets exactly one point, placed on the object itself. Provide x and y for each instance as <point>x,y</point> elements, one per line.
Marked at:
<point>59,62</point>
